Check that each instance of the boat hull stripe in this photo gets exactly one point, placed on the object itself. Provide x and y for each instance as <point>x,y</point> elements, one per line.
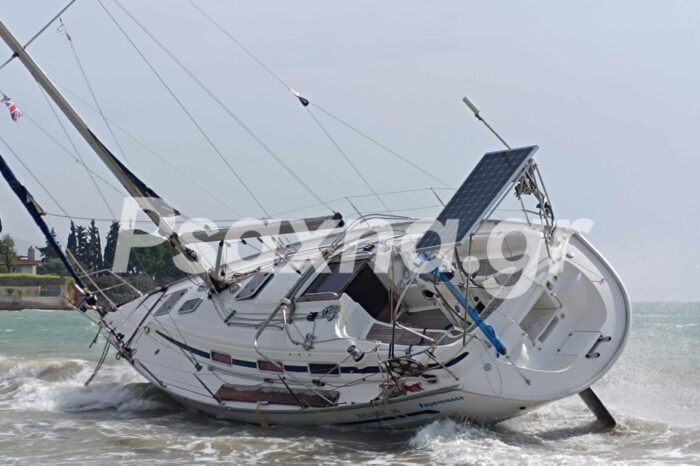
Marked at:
<point>188,348</point>
<point>294,368</point>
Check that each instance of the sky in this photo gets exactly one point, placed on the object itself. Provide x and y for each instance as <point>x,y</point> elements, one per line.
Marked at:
<point>608,90</point>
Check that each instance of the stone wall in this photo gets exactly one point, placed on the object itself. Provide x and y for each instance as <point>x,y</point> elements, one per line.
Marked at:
<point>13,298</point>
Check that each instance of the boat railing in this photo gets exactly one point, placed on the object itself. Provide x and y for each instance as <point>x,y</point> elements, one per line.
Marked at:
<point>102,291</point>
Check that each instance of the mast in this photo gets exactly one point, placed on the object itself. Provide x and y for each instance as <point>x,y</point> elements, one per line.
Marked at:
<point>150,202</point>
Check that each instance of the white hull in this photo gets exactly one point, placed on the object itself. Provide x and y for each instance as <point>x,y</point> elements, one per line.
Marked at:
<point>467,381</point>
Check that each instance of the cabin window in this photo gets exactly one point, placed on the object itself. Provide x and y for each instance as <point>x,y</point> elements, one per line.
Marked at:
<point>254,286</point>
<point>331,279</point>
<point>270,366</point>
<point>170,302</point>
<point>190,306</point>
<point>223,358</point>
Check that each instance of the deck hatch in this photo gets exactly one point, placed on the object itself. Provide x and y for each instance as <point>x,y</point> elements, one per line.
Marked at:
<point>254,286</point>
<point>170,302</point>
<point>190,306</point>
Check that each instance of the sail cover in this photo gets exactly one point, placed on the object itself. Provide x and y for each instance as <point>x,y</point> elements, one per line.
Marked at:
<point>483,189</point>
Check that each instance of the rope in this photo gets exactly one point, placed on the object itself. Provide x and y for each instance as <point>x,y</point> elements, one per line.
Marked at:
<point>99,364</point>
<point>184,108</point>
<point>223,106</point>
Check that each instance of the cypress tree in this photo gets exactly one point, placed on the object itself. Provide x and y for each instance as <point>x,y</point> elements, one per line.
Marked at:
<point>94,248</point>
<point>47,252</point>
<point>111,245</point>
<point>82,253</point>
<point>72,244</point>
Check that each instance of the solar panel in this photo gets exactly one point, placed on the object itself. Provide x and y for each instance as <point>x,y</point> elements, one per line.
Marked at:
<point>481,191</point>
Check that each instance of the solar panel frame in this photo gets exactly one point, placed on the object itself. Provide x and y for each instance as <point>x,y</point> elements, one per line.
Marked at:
<point>478,196</point>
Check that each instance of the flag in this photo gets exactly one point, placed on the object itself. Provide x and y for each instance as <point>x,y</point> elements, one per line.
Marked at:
<point>15,112</point>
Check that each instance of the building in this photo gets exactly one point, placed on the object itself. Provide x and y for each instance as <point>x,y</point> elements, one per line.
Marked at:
<point>25,264</point>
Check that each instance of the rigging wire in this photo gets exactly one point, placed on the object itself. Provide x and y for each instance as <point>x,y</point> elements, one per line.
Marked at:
<point>153,152</point>
<point>239,44</point>
<point>224,107</point>
<point>31,173</point>
<point>289,88</point>
<point>71,154</point>
<point>78,159</point>
<point>184,109</point>
<point>281,81</point>
<point>91,174</point>
<point>75,148</point>
<point>345,198</point>
<point>35,36</point>
<point>373,140</point>
<point>347,159</point>
<point>92,91</point>
<point>357,196</point>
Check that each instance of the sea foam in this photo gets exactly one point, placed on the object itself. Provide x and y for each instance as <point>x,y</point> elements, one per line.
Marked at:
<point>56,385</point>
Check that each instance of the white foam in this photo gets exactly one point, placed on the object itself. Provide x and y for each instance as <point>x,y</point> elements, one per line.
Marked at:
<point>448,442</point>
<point>53,385</point>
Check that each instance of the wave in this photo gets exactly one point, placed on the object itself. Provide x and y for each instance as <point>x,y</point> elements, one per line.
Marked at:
<point>565,431</point>
<point>57,385</point>
<point>555,435</point>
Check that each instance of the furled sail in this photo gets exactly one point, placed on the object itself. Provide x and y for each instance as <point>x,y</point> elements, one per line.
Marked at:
<point>36,213</point>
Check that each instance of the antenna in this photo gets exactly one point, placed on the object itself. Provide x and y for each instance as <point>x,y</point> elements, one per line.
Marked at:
<point>477,114</point>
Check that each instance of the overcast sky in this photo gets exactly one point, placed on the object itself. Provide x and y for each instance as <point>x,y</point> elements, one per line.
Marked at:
<point>608,90</point>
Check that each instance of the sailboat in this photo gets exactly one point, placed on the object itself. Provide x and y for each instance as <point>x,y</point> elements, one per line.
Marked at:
<point>377,321</point>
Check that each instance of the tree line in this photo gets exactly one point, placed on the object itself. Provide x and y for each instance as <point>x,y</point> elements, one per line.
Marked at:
<point>84,247</point>
<point>147,268</point>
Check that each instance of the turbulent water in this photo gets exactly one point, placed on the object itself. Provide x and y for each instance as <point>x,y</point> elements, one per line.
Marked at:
<point>48,417</point>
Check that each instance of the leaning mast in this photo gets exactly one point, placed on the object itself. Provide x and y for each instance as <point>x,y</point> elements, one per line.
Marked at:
<point>152,204</point>
<point>36,212</point>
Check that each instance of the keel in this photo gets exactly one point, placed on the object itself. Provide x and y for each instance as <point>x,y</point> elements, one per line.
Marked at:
<point>597,408</point>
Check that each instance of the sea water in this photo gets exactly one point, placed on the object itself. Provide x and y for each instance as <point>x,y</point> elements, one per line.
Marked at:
<point>47,416</point>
